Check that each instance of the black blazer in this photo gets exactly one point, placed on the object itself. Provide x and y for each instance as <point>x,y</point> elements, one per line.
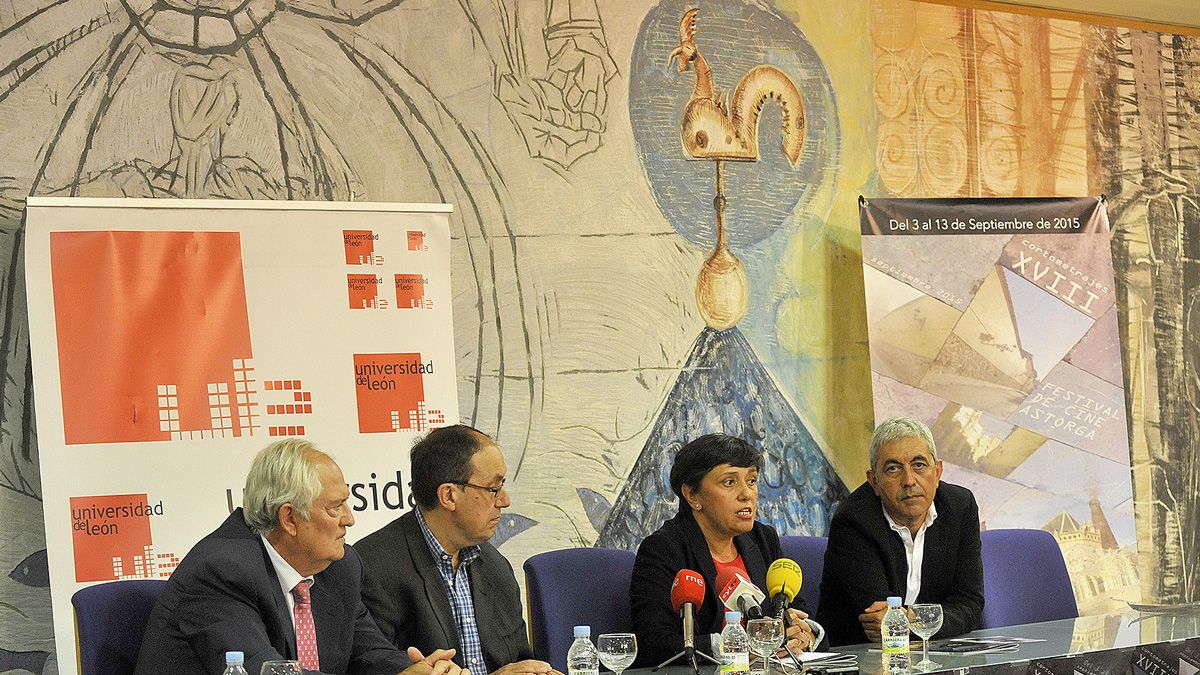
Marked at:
<point>679,544</point>
<point>225,596</point>
<point>405,593</point>
<point>865,562</point>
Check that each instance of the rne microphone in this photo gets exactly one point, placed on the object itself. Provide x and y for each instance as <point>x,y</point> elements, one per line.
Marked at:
<point>740,594</point>
<point>783,583</point>
<point>687,594</point>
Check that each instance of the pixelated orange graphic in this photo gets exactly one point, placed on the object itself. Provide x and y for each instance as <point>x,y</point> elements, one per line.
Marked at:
<point>416,240</point>
<point>389,387</point>
<point>363,290</point>
<point>360,246</point>
<point>108,528</point>
<point>136,311</point>
<point>410,291</point>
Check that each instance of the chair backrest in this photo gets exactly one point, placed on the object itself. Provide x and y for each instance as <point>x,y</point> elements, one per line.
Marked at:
<point>576,587</point>
<point>809,554</point>
<point>109,621</point>
<point>1025,579</point>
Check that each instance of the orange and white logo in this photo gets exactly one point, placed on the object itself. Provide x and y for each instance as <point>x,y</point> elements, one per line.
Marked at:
<point>153,335</point>
<point>111,537</point>
<point>390,389</point>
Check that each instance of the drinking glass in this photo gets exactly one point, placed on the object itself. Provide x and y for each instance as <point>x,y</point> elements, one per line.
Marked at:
<point>281,668</point>
<point>766,637</point>
<point>617,650</point>
<point>927,620</point>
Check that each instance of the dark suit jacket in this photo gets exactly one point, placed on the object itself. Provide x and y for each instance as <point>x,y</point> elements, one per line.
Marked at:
<point>405,593</point>
<point>225,596</point>
<point>679,544</point>
<point>865,562</point>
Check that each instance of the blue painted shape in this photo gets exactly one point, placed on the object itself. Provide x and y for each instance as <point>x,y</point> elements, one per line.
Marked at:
<point>724,388</point>
<point>595,505</point>
<point>33,571</point>
<point>511,524</point>
<point>734,36</point>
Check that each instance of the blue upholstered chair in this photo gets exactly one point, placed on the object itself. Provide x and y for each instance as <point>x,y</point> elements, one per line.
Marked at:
<point>1025,579</point>
<point>809,554</point>
<point>576,587</point>
<point>109,621</point>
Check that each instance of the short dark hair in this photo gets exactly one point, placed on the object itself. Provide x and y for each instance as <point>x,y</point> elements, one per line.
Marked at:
<point>697,458</point>
<point>443,456</point>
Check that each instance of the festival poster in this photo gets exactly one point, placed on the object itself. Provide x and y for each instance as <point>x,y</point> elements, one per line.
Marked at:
<point>994,321</point>
<point>173,339</point>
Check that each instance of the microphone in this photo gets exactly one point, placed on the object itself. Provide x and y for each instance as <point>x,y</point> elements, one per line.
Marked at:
<point>687,594</point>
<point>740,594</point>
<point>783,583</point>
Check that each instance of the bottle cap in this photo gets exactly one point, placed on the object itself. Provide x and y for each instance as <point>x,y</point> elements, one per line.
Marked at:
<point>733,617</point>
<point>583,631</point>
<point>234,657</point>
<point>894,601</point>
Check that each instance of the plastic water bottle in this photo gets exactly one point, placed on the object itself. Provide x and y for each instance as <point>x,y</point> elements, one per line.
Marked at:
<point>582,658</point>
<point>895,638</point>
<point>234,663</point>
<point>735,646</point>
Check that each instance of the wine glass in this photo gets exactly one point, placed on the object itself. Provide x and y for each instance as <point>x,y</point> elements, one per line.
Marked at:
<point>617,650</point>
<point>927,620</point>
<point>766,636</point>
<point>281,668</point>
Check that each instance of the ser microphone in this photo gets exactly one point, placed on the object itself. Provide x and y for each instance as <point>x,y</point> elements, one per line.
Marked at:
<point>687,595</point>
<point>783,583</point>
<point>740,594</point>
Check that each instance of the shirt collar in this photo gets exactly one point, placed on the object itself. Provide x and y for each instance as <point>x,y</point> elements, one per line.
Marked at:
<point>930,516</point>
<point>287,575</point>
<point>465,556</point>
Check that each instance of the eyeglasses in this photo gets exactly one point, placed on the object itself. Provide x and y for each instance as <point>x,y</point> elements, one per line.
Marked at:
<point>494,490</point>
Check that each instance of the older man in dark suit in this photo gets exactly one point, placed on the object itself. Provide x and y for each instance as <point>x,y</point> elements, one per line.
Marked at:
<point>277,581</point>
<point>432,578</point>
<point>902,533</point>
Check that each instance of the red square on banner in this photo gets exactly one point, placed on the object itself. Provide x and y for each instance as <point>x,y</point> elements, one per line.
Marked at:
<point>416,240</point>
<point>388,388</point>
<point>146,321</point>
<point>360,246</point>
<point>410,291</point>
<point>363,290</point>
<point>105,527</point>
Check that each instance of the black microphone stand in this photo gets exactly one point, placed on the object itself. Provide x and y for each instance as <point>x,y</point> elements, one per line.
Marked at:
<point>689,644</point>
<point>783,616</point>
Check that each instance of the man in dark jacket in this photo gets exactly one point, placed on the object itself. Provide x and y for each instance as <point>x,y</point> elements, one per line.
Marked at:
<point>902,533</point>
<point>432,578</point>
<point>277,581</point>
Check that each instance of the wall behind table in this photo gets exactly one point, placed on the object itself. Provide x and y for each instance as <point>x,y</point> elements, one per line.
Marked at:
<point>574,300</point>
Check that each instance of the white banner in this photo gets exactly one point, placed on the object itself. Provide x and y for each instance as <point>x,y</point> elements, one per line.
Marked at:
<point>173,339</point>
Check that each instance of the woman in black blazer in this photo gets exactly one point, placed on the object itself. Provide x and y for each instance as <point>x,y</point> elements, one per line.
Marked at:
<point>715,478</point>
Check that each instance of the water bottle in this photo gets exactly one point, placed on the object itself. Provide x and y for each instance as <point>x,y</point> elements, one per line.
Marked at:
<point>895,638</point>
<point>735,646</point>
<point>234,663</point>
<point>582,658</point>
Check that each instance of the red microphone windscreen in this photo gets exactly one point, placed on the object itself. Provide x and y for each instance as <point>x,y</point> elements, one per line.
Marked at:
<point>724,578</point>
<point>687,587</point>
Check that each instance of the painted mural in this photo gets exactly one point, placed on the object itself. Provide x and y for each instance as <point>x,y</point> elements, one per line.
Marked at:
<point>581,220</point>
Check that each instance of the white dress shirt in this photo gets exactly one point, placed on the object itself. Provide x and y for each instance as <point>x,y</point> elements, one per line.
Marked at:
<point>288,578</point>
<point>914,549</point>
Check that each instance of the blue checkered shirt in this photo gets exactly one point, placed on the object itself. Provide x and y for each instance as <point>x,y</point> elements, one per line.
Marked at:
<point>458,585</point>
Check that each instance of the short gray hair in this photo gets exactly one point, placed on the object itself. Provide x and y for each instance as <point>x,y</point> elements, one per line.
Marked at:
<point>284,471</point>
<point>897,428</point>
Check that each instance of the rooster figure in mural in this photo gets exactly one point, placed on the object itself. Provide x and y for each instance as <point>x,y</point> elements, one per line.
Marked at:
<point>714,128</point>
<point>719,130</point>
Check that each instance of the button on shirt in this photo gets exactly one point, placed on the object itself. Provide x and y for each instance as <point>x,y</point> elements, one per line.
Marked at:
<point>288,578</point>
<point>914,549</point>
<point>458,588</point>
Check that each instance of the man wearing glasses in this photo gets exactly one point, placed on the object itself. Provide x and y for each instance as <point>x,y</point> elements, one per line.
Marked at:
<point>432,578</point>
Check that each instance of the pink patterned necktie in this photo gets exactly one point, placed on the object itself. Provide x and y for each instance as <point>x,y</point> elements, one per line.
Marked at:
<point>306,631</point>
